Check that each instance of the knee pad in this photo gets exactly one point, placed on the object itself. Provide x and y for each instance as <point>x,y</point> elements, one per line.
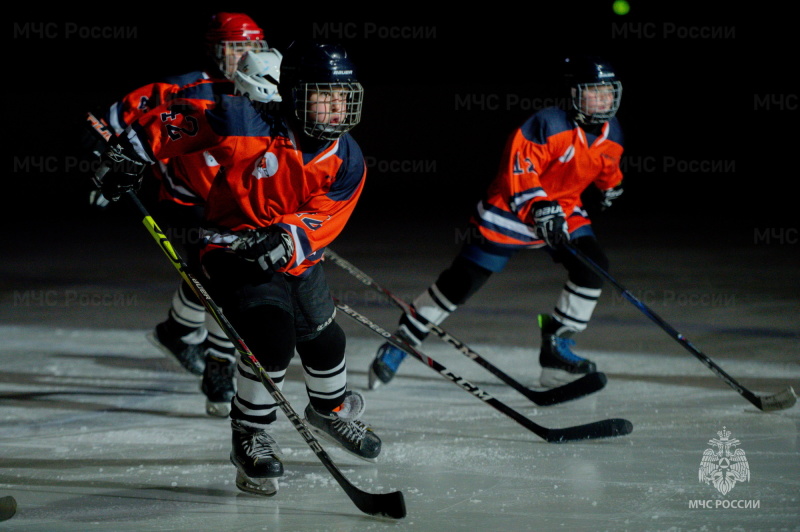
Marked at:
<point>579,273</point>
<point>269,333</point>
<point>325,348</point>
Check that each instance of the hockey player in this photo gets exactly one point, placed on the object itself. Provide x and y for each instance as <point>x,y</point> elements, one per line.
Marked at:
<point>535,202</point>
<point>184,181</point>
<point>257,78</point>
<point>288,183</point>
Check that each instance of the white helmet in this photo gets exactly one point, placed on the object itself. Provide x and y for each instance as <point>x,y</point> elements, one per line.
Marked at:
<point>257,76</point>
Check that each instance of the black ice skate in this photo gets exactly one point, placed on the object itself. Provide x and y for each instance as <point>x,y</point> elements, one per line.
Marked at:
<point>218,385</point>
<point>344,428</point>
<point>559,364</point>
<point>188,355</point>
<point>257,458</point>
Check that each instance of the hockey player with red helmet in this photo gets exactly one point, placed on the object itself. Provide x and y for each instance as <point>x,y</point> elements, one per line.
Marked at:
<point>184,181</point>
<point>287,185</point>
<point>535,202</point>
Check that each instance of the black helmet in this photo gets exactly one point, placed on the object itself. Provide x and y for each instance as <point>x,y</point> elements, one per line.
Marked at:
<point>587,75</point>
<point>320,89</point>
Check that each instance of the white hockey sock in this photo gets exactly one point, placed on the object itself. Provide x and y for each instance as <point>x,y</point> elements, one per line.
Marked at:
<point>188,314</point>
<point>252,397</point>
<point>431,305</point>
<point>575,306</point>
<point>218,343</point>
<point>326,384</point>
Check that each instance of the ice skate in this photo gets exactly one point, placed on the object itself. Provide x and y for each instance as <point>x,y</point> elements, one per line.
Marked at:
<point>344,428</point>
<point>385,365</point>
<point>189,355</point>
<point>218,385</point>
<point>257,458</point>
<point>559,364</point>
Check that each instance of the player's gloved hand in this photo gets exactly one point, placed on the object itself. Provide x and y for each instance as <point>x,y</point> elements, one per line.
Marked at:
<point>271,247</point>
<point>609,195</point>
<point>550,223</point>
<point>119,171</point>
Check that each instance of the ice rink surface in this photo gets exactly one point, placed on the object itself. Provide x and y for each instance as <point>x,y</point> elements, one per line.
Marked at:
<point>102,432</point>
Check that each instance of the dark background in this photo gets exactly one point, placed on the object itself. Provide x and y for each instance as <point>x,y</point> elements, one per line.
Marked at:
<point>708,108</point>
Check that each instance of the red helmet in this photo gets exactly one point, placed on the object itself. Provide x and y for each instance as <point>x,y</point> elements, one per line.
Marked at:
<point>228,36</point>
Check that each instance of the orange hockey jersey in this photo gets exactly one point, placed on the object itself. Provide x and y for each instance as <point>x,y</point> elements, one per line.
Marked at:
<point>264,177</point>
<point>549,157</point>
<point>183,181</point>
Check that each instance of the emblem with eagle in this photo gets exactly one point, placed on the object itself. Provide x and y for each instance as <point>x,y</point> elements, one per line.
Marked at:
<point>724,466</point>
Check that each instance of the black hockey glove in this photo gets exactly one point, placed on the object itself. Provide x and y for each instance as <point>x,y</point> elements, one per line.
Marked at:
<point>119,171</point>
<point>609,195</point>
<point>549,223</point>
<point>271,247</point>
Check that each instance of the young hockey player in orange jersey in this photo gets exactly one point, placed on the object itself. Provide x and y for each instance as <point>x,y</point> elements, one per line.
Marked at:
<point>287,185</point>
<point>184,183</point>
<point>535,202</point>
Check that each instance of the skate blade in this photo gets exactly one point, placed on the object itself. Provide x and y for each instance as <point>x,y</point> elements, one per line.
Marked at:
<point>266,487</point>
<point>221,410</point>
<point>373,381</point>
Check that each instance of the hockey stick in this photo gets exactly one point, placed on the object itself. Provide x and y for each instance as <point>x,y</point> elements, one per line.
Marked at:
<point>581,387</point>
<point>778,401</point>
<point>607,428</point>
<point>384,504</point>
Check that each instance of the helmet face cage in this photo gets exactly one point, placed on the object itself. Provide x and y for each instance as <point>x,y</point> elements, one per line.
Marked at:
<point>228,53</point>
<point>595,103</point>
<point>328,110</point>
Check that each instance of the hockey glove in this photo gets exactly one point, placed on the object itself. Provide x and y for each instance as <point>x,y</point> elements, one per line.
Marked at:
<point>271,247</point>
<point>549,223</point>
<point>120,170</point>
<point>609,195</point>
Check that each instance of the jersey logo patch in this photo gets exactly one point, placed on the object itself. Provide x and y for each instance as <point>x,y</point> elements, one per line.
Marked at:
<point>267,166</point>
<point>210,161</point>
<point>312,223</point>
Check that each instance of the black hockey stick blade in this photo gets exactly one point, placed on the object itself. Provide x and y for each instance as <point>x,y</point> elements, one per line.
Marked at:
<point>576,389</point>
<point>569,392</point>
<point>782,400</point>
<point>389,504</point>
<point>378,504</point>
<point>8,507</point>
<point>606,428</point>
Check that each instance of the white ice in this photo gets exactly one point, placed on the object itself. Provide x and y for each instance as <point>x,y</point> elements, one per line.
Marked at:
<point>101,432</point>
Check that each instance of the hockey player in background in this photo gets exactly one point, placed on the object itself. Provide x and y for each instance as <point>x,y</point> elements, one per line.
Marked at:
<point>184,183</point>
<point>535,202</point>
<point>287,185</point>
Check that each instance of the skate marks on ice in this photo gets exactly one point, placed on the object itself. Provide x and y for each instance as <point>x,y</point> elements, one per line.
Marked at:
<point>99,427</point>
